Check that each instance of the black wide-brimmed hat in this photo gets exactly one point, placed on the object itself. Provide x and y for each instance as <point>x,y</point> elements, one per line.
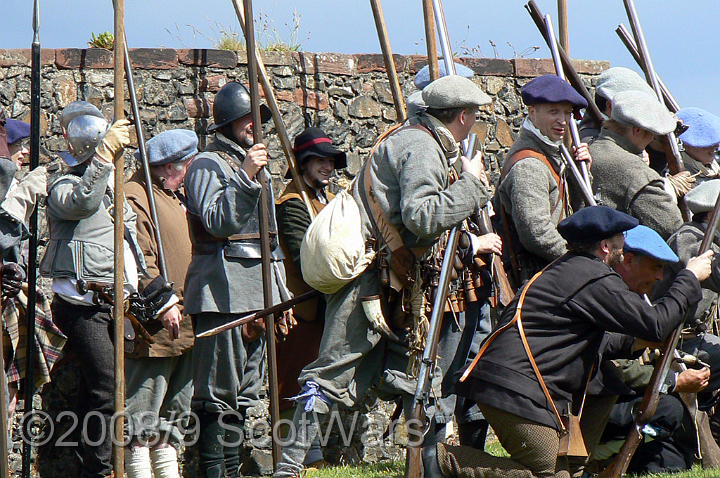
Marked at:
<point>313,142</point>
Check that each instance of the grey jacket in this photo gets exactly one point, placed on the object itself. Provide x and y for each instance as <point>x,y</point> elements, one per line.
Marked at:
<point>686,244</point>
<point>226,276</point>
<point>81,228</point>
<point>621,180</point>
<point>409,173</point>
<point>528,193</point>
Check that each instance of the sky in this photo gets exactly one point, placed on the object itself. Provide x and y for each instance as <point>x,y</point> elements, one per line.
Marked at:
<point>682,35</point>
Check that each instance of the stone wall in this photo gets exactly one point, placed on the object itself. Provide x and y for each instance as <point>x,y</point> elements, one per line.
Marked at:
<point>346,95</point>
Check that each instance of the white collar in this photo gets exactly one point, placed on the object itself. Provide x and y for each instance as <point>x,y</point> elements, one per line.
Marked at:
<point>528,125</point>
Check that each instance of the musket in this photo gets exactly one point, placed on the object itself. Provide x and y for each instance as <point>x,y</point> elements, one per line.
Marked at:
<point>118,243</point>
<point>275,309</point>
<point>631,46</point>
<point>31,347</point>
<point>264,216</point>
<point>572,76</point>
<point>413,464</point>
<point>574,133</point>
<point>650,400</point>
<point>430,42</point>
<point>162,266</point>
<point>389,60</point>
<point>675,164</point>
<point>277,119</point>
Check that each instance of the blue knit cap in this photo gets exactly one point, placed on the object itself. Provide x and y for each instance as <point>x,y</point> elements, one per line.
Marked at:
<point>703,127</point>
<point>551,89</point>
<point>644,241</point>
<point>16,130</point>
<point>170,146</point>
<point>422,77</point>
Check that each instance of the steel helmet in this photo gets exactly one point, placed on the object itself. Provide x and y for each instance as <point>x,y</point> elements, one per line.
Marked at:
<point>233,102</point>
<point>75,109</point>
<point>84,133</point>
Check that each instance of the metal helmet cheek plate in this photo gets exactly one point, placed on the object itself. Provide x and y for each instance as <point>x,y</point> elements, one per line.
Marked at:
<point>84,133</point>
<point>233,102</point>
<point>75,109</point>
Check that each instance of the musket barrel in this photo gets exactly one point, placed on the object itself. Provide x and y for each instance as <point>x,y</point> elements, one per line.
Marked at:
<point>574,133</point>
<point>162,265</point>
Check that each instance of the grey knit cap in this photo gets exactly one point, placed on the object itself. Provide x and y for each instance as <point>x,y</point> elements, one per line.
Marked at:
<point>702,197</point>
<point>453,91</point>
<point>642,109</point>
<point>618,79</point>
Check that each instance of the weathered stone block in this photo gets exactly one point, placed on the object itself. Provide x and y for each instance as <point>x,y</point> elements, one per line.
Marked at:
<point>503,133</point>
<point>275,58</point>
<point>364,107</point>
<point>311,99</point>
<point>333,63</point>
<point>23,57</point>
<point>198,107</point>
<point>204,57</point>
<point>83,58</point>
<point>374,62</point>
<point>153,58</point>
<point>64,88</point>
<point>590,67</point>
<point>213,83</point>
<point>489,66</point>
<point>531,67</point>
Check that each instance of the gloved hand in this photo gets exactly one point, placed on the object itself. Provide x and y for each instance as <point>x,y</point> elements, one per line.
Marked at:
<point>680,183</point>
<point>116,138</point>
<point>22,199</point>
<point>12,278</point>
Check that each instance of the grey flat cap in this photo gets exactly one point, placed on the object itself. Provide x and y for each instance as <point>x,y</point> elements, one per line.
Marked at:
<point>454,91</point>
<point>170,146</point>
<point>702,197</point>
<point>415,104</point>
<point>618,79</point>
<point>641,109</point>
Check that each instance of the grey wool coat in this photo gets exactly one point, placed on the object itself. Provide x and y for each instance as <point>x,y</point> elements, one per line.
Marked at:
<point>225,276</point>
<point>528,193</point>
<point>621,180</point>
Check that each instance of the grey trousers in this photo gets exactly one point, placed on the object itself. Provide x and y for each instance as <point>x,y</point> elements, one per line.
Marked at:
<point>159,390</point>
<point>227,373</point>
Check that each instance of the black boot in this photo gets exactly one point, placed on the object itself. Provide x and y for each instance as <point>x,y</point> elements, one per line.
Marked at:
<point>231,452</point>
<point>431,468</point>
<point>211,458</point>
<point>473,434</point>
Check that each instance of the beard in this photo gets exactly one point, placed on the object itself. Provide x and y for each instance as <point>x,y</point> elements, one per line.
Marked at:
<point>614,257</point>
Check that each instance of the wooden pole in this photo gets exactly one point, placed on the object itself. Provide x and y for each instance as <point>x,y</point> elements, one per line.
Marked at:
<point>264,232</point>
<point>119,224</point>
<point>277,118</point>
<point>389,60</point>
<point>430,40</point>
<point>563,26</point>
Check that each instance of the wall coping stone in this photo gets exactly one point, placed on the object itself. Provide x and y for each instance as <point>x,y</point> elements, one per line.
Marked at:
<point>307,62</point>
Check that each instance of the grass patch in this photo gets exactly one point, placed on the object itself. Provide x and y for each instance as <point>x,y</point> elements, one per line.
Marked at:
<point>375,470</point>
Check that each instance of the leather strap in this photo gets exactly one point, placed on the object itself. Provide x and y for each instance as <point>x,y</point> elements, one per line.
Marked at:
<point>402,258</point>
<point>517,320</point>
<point>198,234</point>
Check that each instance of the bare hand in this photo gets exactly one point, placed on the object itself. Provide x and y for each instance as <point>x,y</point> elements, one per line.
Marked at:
<point>582,153</point>
<point>487,243</point>
<point>692,380</point>
<point>701,266</point>
<point>284,324</point>
<point>171,321</point>
<point>255,160</point>
<point>475,167</point>
<point>253,330</point>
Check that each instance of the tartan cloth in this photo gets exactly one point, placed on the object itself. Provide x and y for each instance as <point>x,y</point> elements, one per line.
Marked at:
<point>49,339</point>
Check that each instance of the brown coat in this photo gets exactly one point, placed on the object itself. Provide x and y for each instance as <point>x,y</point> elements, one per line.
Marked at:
<point>177,248</point>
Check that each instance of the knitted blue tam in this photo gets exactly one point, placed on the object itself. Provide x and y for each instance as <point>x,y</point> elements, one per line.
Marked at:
<point>644,241</point>
<point>703,127</point>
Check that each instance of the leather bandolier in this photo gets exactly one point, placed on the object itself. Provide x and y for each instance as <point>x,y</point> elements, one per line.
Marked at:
<point>307,310</point>
<point>520,263</point>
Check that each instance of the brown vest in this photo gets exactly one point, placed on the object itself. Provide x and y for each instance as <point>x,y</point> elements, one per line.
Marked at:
<point>307,310</point>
